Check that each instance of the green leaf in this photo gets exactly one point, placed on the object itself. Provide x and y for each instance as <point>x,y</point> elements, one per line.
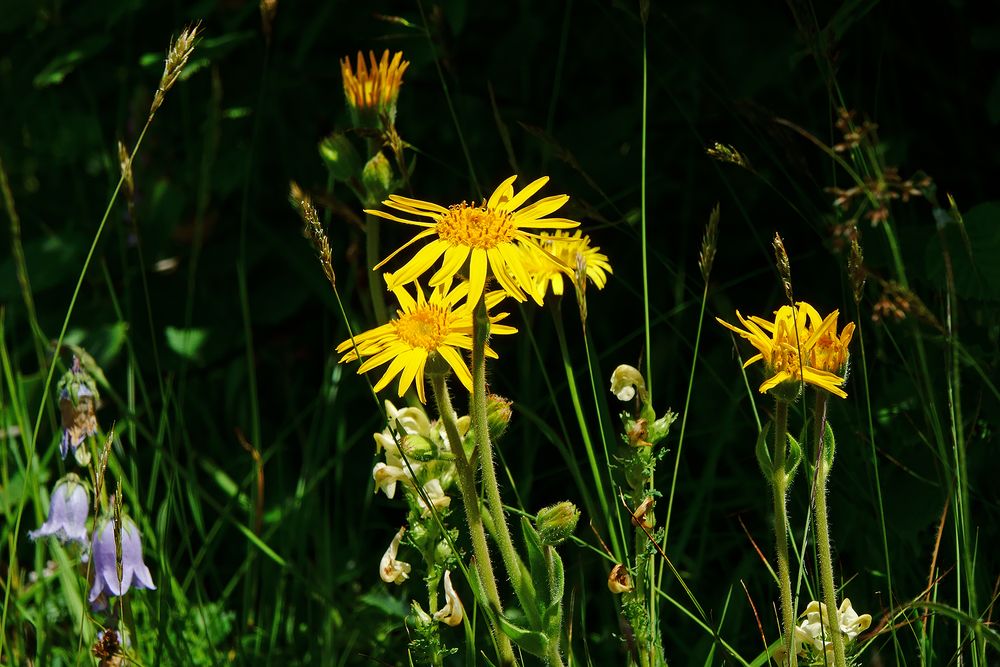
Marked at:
<point>186,343</point>
<point>536,561</point>
<point>763,455</point>
<point>63,64</point>
<point>531,641</point>
<point>829,447</point>
<point>794,457</point>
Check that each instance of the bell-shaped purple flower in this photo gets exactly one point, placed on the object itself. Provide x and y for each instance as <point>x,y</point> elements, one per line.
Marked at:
<point>68,508</point>
<point>133,571</point>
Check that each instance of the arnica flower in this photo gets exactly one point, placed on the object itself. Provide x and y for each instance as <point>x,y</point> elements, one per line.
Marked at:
<point>68,509</point>
<point>78,400</point>
<point>372,89</point>
<point>786,346</point>
<point>563,253</point>
<point>424,331</point>
<point>106,573</point>
<point>452,612</point>
<point>391,570</point>
<point>485,236</point>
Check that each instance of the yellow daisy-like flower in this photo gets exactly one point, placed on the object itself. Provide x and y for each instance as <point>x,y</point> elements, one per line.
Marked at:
<point>373,88</point>
<point>425,330</point>
<point>564,253</point>
<point>788,346</point>
<point>485,235</point>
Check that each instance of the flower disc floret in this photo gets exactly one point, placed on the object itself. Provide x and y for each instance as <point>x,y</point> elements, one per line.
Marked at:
<point>485,238</point>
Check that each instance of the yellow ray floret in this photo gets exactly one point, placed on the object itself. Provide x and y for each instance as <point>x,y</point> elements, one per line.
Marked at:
<point>424,329</point>
<point>485,236</point>
<point>798,346</point>
<point>560,253</point>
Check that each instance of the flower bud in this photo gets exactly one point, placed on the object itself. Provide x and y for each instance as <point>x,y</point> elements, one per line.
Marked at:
<point>340,157</point>
<point>498,414</point>
<point>377,177</point>
<point>556,523</point>
<point>420,617</point>
<point>619,580</point>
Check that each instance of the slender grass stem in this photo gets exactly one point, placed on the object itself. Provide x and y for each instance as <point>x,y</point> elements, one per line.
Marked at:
<point>780,484</point>
<point>642,206</point>
<point>823,529</point>
<point>600,483</point>
<point>470,499</point>
<point>684,417</point>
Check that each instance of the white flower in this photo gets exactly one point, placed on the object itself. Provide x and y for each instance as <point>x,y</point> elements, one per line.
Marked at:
<point>435,494</point>
<point>452,612</point>
<point>410,420</point>
<point>625,380</point>
<point>386,476</point>
<point>813,633</point>
<point>391,570</point>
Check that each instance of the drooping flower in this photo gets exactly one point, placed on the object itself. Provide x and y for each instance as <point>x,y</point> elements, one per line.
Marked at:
<point>372,89</point>
<point>108,578</point>
<point>559,254</point>
<point>424,330</point>
<point>625,380</point>
<point>391,570</point>
<point>68,509</point>
<point>619,580</point>
<point>78,400</point>
<point>485,235</point>
<point>452,612</point>
<point>787,348</point>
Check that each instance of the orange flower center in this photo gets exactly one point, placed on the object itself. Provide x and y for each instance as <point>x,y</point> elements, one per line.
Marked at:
<point>425,327</point>
<point>476,226</point>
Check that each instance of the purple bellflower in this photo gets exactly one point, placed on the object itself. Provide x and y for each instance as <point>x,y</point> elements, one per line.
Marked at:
<point>78,399</point>
<point>68,508</point>
<point>133,571</point>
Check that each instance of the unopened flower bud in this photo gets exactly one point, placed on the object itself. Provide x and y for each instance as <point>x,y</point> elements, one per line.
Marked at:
<point>619,580</point>
<point>498,415</point>
<point>377,177</point>
<point>420,617</point>
<point>340,157</point>
<point>556,523</point>
<point>637,433</point>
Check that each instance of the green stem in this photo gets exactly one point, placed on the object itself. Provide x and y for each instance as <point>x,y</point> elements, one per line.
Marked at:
<point>521,584</point>
<point>780,483</point>
<point>470,499</point>
<point>823,531</point>
<point>372,229</point>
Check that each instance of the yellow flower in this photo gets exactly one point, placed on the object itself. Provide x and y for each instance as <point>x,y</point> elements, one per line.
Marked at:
<point>484,235</point>
<point>798,346</point>
<point>425,330</point>
<point>373,89</point>
<point>558,253</point>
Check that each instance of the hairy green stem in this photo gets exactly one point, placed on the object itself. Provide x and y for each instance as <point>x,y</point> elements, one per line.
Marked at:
<point>823,531</point>
<point>470,499</point>
<point>780,484</point>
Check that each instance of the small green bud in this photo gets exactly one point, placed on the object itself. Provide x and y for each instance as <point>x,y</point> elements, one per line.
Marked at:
<point>659,429</point>
<point>557,522</point>
<point>418,448</point>
<point>340,157</point>
<point>377,177</point>
<point>442,552</point>
<point>420,617</point>
<point>498,415</point>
